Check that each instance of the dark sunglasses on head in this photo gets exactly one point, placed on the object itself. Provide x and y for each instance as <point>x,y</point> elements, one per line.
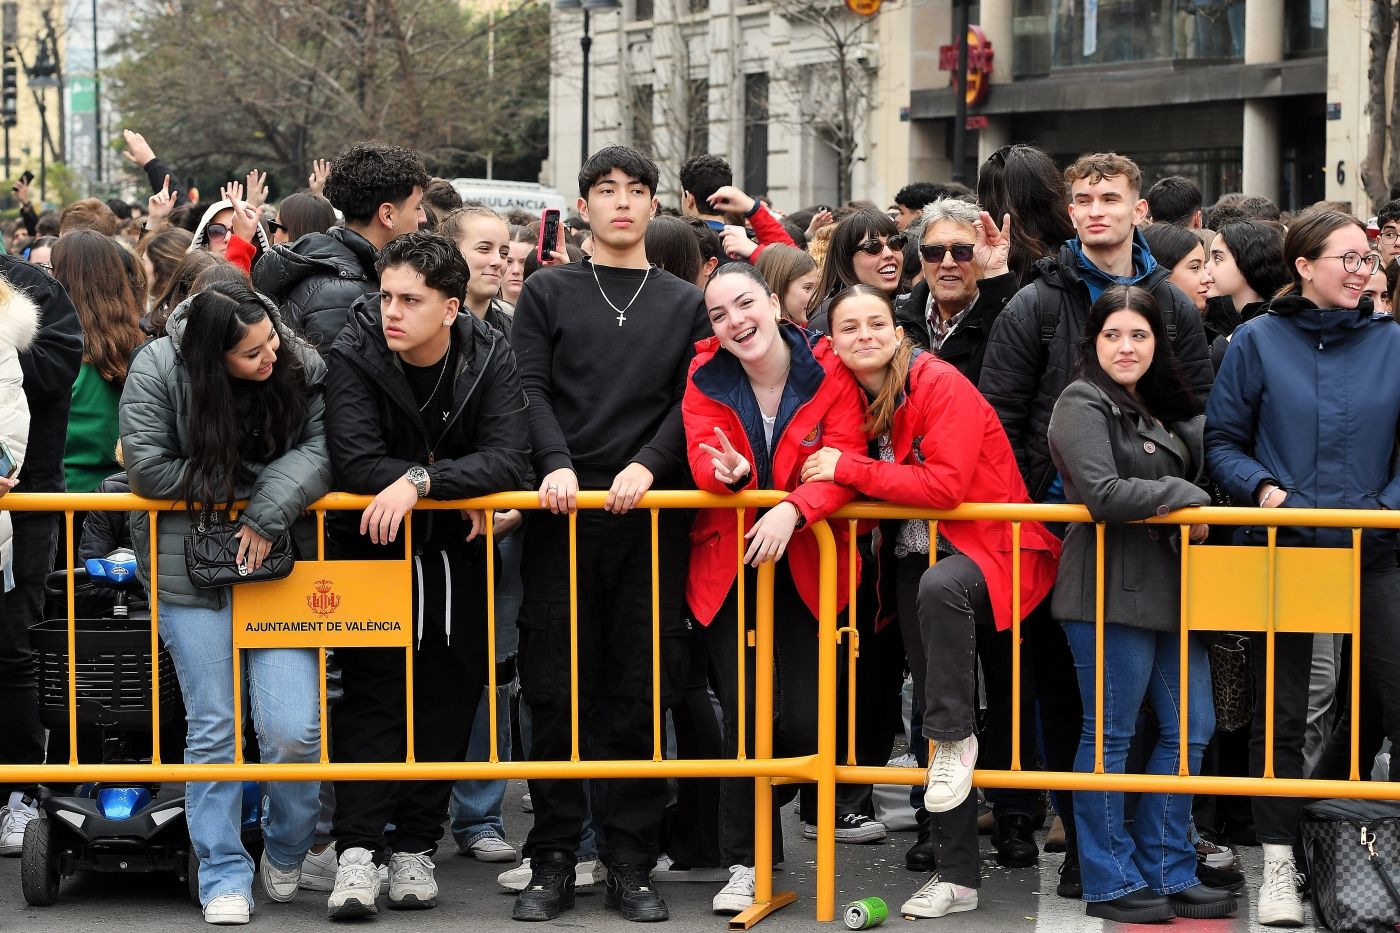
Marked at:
<point>933,252</point>
<point>876,245</point>
<point>216,231</point>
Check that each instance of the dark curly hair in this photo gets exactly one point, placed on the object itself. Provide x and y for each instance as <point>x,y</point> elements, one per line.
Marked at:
<point>432,256</point>
<point>370,174</point>
<point>702,176</point>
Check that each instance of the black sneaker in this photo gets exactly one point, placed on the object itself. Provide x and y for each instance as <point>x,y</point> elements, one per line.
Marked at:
<point>1070,886</point>
<point>549,892</point>
<point>629,892</point>
<point>923,854</point>
<point>1226,879</point>
<point>852,828</point>
<point>1015,842</point>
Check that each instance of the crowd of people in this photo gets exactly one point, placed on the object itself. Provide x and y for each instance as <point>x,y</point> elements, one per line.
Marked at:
<point>1053,336</point>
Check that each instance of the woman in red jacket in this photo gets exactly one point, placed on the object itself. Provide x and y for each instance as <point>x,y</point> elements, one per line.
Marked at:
<point>939,445</point>
<point>762,396</point>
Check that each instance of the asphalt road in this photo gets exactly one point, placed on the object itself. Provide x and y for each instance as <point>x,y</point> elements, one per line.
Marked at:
<point>470,899</point>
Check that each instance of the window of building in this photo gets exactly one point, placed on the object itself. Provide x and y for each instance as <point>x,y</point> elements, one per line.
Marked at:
<point>642,99</point>
<point>643,9</point>
<point>697,118</point>
<point>699,6</point>
<point>1050,35</point>
<point>756,133</point>
<point>1304,27</point>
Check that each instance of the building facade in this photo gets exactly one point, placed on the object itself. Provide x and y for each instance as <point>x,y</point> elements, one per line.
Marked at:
<point>1266,97</point>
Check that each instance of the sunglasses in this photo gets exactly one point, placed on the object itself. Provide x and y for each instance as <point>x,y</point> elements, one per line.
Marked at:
<point>876,245</point>
<point>216,231</point>
<point>274,225</point>
<point>934,252</point>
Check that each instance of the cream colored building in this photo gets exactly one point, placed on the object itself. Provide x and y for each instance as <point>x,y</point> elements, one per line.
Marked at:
<point>1265,96</point>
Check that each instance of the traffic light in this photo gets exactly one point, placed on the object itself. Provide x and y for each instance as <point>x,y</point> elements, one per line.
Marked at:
<point>9,88</point>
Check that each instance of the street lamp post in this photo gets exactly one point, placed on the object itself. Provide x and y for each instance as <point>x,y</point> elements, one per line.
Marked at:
<point>586,45</point>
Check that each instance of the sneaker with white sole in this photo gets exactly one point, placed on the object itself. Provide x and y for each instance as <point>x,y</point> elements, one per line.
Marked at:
<point>356,890</point>
<point>490,848</point>
<point>736,896</point>
<point>227,910</point>
<point>318,871</point>
<point>1280,904</point>
<point>1214,854</point>
<point>278,884</point>
<point>411,882</point>
<point>586,874</point>
<point>852,828</point>
<point>938,899</point>
<point>13,819</point>
<point>527,803</point>
<point>950,774</point>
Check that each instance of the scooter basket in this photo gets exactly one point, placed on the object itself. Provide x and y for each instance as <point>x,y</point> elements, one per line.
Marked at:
<point>113,673</point>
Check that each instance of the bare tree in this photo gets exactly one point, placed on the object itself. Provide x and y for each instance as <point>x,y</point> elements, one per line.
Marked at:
<point>1378,171</point>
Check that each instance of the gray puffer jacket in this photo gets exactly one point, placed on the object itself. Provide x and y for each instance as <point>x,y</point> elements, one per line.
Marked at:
<point>154,417</point>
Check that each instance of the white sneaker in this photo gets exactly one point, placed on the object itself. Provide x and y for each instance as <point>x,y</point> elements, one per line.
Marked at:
<point>491,848</point>
<point>586,874</point>
<point>1280,904</point>
<point>13,819</point>
<point>1214,854</point>
<point>736,896</point>
<point>318,871</point>
<point>278,885</point>
<point>411,882</point>
<point>527,804</point>
<point>939,898</point>
<point>950,774</point>
<point>356,886</point>
<point>227,910</point>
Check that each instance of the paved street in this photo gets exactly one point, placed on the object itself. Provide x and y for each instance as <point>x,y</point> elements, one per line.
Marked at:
<point>1011,900</point>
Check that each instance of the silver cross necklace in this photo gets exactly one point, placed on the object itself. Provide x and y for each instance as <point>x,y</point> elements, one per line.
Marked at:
<point>621,312</point>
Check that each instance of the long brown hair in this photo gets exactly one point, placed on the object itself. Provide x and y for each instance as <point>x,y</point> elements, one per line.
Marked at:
<point>164,249</point>
<point>879,416</point>
<point>89,266</point>
<point>781,265</point>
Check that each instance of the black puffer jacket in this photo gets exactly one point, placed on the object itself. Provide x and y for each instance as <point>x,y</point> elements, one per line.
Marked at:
<point>376,433</point>
<point>50,367</point>
<point>1023,377</point>
<point>965,347</point>
<point>316,279</point>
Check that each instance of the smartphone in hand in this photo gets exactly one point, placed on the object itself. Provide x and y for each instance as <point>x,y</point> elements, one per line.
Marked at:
<point>549,234</point>
<point>9,463</point>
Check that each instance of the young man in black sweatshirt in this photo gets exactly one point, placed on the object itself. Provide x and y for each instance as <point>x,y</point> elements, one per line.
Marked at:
<point>604,346</point>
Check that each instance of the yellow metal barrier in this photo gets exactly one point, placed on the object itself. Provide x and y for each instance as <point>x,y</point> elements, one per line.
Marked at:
<point>1281,602</point>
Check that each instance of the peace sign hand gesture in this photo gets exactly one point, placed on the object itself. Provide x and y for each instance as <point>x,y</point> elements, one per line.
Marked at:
<point>159,206</point>
<point>730,465</point>
<point>992,251</point>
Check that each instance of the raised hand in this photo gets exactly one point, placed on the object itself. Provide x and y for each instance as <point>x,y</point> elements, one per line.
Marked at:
<point>737,244</point>
<point>992,252</point>
<point>257,188</point>
<point>159,205</point>
<point>730,465</point>
<point>245,217</point>
<point>138,152</point>
<point>320,168</point>
<point>731,200</point>
<point>820,219</point>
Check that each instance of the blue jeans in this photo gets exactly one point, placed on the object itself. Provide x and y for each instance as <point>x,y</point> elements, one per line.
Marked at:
<point>1155,851</point>
<point>283,694</point>
<point>475,806</point>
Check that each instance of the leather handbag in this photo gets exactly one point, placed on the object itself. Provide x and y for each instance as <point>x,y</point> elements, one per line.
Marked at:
<point>1353,852</point>
<point>211,557</point>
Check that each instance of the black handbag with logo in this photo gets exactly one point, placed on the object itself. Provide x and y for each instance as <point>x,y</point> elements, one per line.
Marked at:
<point>1353,851</point>
<point>211,557</point>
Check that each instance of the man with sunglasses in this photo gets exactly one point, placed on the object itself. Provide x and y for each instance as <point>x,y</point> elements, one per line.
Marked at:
<point>966,283</point>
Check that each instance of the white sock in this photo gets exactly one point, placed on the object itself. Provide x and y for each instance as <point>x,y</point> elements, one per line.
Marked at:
<point>1275,852</point>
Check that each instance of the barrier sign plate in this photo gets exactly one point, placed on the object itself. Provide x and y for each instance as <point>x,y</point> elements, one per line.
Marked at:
<point>327,603</point>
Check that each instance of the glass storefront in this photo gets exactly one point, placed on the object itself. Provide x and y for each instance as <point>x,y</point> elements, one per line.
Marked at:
<point>1053,35</point>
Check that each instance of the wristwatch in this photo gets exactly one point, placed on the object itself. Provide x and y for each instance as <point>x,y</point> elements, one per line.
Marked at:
<point>419,478</point>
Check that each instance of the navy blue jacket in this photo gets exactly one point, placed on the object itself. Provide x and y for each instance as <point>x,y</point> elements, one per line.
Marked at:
<point>1310,400</point>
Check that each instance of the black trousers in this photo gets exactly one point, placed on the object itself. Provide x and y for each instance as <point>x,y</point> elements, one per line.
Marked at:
<point>368,724</point>
<point>693,838</point>
<point>615,671</point>
<point>943,610</point>
<point>35,542</point>
<point>1276,818</point>
<point>795,658</point>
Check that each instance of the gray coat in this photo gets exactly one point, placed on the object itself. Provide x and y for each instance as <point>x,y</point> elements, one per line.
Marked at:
<point>1122,475</point>
<point>154,415</point>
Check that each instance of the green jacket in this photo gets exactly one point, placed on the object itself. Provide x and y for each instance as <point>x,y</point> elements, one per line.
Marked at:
<point>90,454</point>
<point>154,417</point>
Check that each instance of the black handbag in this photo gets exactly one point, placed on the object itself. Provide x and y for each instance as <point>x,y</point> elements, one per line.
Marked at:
<point>1353,851</point>
<point>211,557</point>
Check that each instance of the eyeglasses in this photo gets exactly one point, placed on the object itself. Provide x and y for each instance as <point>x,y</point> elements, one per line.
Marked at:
<point>216,231</point>
<point>933,252</point>
<point>1354,262</point>
<point>42,265</point>
<point>876,245</point>
<point>275,225</point>
<point>1389,236</point>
